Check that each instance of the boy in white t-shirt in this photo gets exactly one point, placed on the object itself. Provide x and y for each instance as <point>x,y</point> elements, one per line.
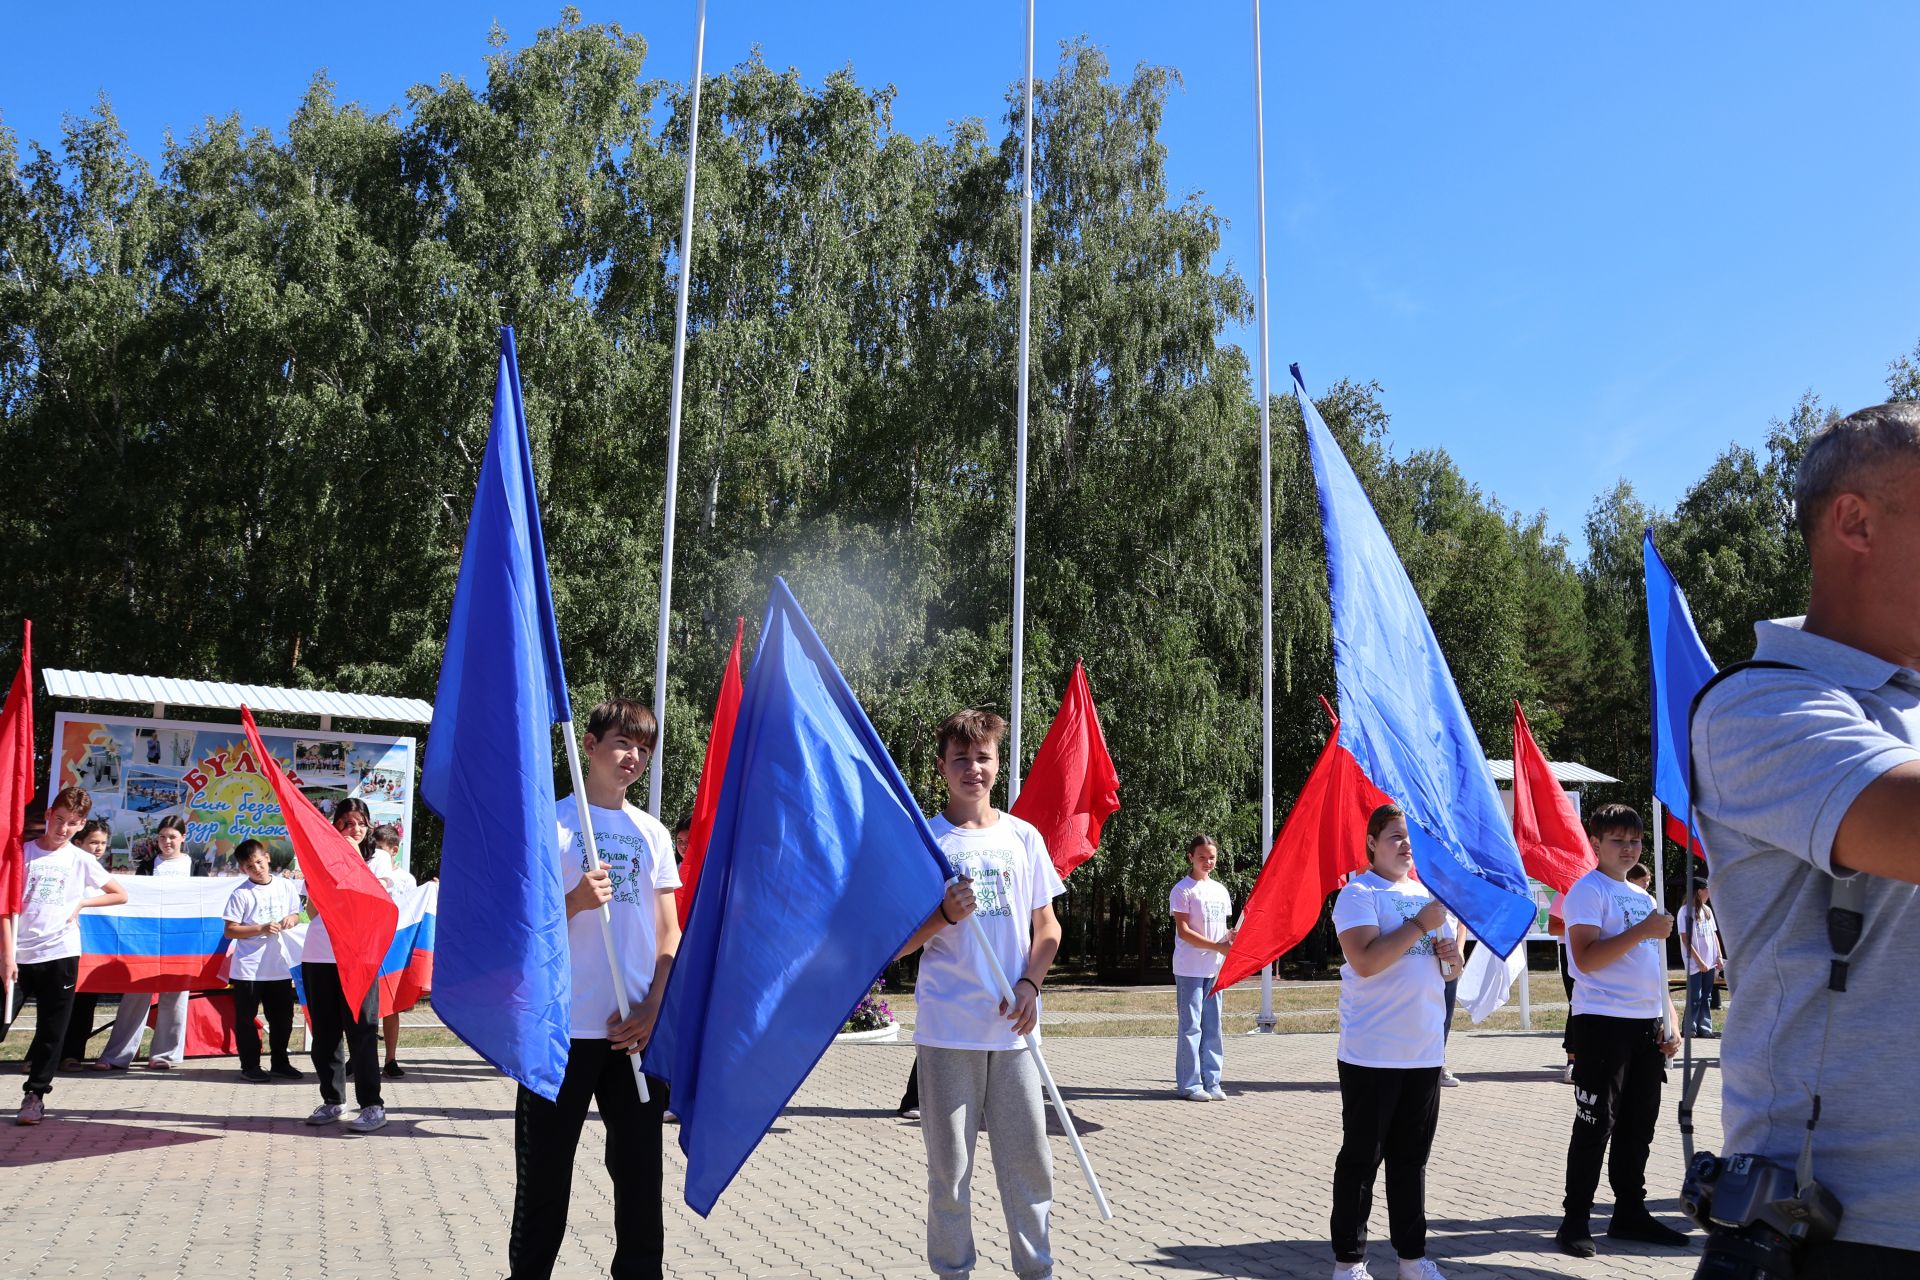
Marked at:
<point>44,958</point>
<point>1616,938</point>
<point>968,1041</point>
<point>637,883</point>
<point>259,912</point>
<point>1200,906</point>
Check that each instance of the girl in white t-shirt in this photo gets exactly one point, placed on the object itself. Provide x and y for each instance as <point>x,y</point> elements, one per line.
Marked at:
<point>1200,906</point>
<point>1700,946</point>
<point>169,1046</point>
<point>1392,1047</point>
<point>343,1036</point>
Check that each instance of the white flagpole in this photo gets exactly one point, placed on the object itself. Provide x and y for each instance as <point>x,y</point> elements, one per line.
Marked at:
<point>605,913</point>
<point>673,431</point>
<point>1267,1022</point>
<point>1660,902</point>
<point>1020,428</point>
<point>1046,1076</point>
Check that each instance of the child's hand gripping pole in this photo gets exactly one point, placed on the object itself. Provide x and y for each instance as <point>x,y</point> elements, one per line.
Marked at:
<point>1040,1061</point>
<point>605,911</point>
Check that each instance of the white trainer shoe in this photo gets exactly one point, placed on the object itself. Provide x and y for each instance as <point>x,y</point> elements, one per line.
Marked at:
<point>369,1119</point>
<point>1420,1269</point>
<point>1448,1080</point>
<point>325,1113</point>
<point>1352,1271</point>
<point>1566,1074</point>
<point>1197,1095</point>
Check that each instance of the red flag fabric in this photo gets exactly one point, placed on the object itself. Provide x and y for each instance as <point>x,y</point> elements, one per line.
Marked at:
<point>1323,841</point>
<point>360,917</point>
<point>16,778</point>
<point>1072,788</point>
<point>1677,832</point>
<point>706,800</point>
<point>1553,845</point>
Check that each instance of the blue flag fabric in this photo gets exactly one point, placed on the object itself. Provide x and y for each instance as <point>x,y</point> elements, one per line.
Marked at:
<point>1401,716</point>
<point>502,980</point>
<point>819,869</point>
<point>1680,668</point>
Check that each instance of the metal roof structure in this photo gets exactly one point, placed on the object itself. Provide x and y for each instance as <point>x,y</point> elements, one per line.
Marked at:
<point>162,692</point>
<point>1565,772</point>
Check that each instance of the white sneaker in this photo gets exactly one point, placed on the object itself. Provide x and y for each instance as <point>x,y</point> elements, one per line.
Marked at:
<point>325,1113</point>
<point>1352,1271</point>
<point>910,1113</point>
<point>1197,1095</point>
<point>369,1119</point>
<point>1217,1094</point>
<point>1566,1074</point>
<point>1448,1080</point>
<point>1420,1269</point>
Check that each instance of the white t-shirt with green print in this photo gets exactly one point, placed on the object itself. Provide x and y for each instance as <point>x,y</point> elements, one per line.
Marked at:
<point>638,855</point>
<point>956,1000</point>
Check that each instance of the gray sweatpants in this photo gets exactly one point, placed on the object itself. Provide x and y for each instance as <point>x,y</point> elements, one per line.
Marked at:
<point>958,1089</point>
<point>169,1029</point>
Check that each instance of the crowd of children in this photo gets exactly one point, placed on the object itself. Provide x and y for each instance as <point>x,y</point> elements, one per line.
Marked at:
<point>972,1071</point>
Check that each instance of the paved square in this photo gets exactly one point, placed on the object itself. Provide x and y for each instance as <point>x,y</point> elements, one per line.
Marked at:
<point>195,1173</point>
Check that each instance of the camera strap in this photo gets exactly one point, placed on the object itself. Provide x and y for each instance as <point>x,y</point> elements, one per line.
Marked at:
<point>1846,917</point>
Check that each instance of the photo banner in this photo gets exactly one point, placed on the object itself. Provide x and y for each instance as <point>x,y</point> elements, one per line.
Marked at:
<point>139,771</point>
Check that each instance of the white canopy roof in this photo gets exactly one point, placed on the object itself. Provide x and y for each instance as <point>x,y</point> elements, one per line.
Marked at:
<point>1565,772</point>
<point>231,697</point>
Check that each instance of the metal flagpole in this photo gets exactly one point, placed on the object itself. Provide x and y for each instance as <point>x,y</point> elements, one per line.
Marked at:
<point>1267,1021</point>
<point>673,429</point>
<point>606,911</point>
<point>1020,427</point>
<point>1046,1076</point>
<point>1659,856</point>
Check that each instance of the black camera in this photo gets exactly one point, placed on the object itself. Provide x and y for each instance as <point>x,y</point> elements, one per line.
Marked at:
<point>1756,1217</point>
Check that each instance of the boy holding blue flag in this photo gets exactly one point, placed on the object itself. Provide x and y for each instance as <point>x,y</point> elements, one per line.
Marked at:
<point>972,1064</point>
<point>637,883</point>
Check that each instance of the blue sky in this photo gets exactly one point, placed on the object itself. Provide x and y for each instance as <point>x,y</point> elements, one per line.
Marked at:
<point>1572,242</point>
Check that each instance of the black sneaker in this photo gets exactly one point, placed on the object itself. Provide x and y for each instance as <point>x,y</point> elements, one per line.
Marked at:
<point>1644,1228</point>
<point>287,1071</point>
<point>393,1071</point>
<point>254,1074</point>
<point>1575,1240</point>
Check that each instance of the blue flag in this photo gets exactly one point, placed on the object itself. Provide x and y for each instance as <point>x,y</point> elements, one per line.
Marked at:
<point>1680,667</point>
<point>502,981</point>
<point>1401,716</point>
<point>819,870</point>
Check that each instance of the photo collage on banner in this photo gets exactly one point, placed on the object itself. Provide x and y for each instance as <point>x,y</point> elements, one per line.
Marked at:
<point>139,771</point>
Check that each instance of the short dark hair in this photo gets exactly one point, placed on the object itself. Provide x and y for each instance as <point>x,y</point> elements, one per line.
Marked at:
<point>1844,453</point>
<point>247,848</point>
<point>1613,817</point>
<point>971,726</point>
<point>94,827</point>
<point>1377,820</point>
<point>385,836</point>
<point>625,717</point>
<point>1642,869</point>
<point>74,800</point>
<point>683,825</point>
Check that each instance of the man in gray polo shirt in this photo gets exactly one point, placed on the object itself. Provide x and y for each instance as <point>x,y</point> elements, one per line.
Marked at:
<point>1808,773</point>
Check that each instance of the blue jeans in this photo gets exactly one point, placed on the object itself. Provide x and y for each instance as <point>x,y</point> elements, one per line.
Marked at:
<point>1197,1058</point>
<point>1699,1016</point>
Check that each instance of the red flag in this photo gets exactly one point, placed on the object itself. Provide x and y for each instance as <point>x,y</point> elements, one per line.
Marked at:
<point>1072,788</point>
<point>16,778</point>
<point>1553,845</point>
<point>360,916</point>
<point>706,800</point>
<point>1678,833</point>
<point>1323,841</point>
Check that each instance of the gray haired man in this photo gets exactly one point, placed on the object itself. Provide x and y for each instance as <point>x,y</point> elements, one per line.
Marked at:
<point>1808,769</point>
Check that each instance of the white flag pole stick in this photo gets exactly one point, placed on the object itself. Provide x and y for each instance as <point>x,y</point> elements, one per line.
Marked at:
<point>606,911</point>
<point>1046,1076</point>
<point>1020,428</point>
<point>1267,1022</point>
<point>673,428</point>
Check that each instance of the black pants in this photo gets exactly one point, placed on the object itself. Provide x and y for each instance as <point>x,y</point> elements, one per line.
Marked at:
<point>275,997</point>
<point>339,1032</point>
<point>79,1026</point>
<point>1390,1113</point>
<point>1846,1260</point>
<point>545,1137</point>
<point>1566,980</point>
<point>1617,1073</point>
<point>50,983</point>
<point>910,1100</point>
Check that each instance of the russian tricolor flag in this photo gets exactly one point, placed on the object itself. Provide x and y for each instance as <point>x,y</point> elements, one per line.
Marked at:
<point>169,935</point>
<point>406,973</point>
